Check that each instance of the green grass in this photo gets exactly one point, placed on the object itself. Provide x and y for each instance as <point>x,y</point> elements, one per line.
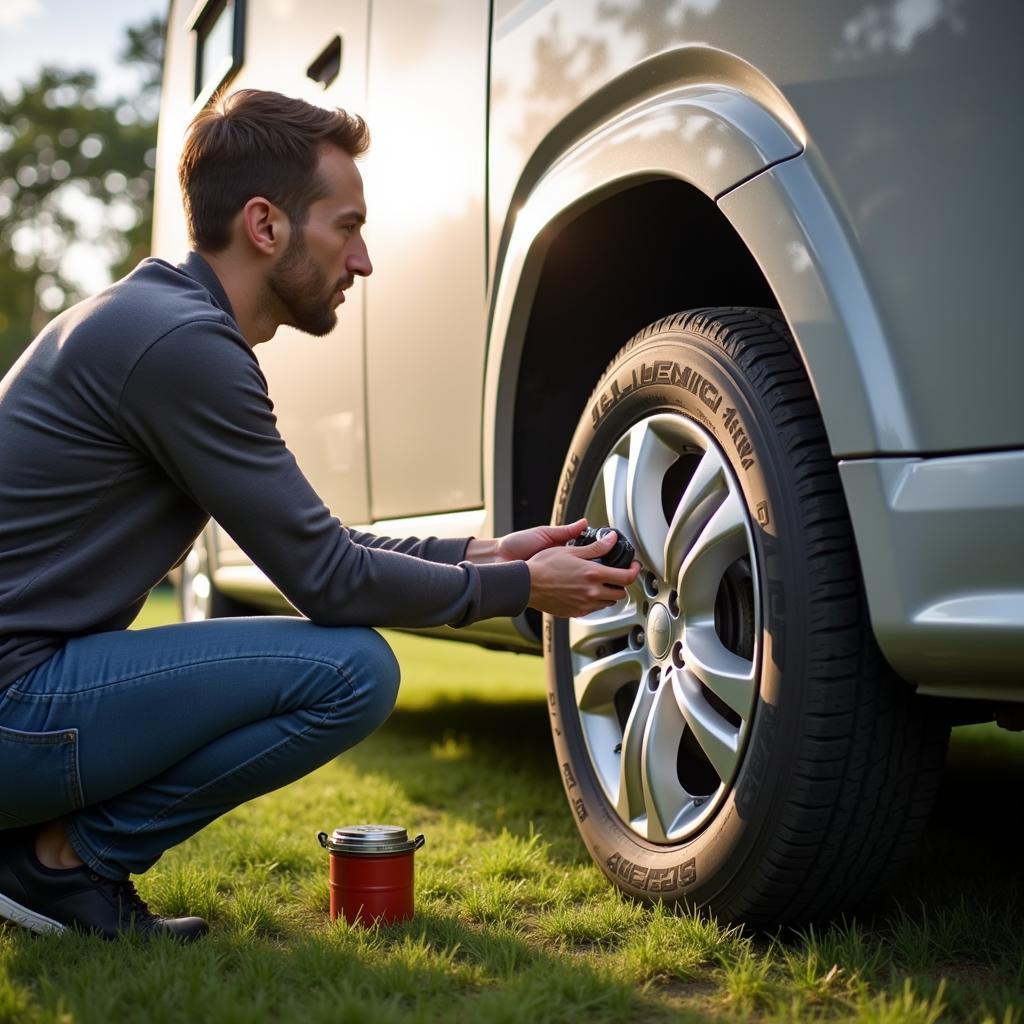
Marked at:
<point>513,921</point>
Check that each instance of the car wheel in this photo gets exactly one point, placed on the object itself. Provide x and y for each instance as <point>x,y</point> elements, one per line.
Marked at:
<point>198,598</point>
<point>728,733</point>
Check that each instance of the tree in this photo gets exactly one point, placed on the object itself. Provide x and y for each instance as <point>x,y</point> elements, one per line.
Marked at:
<point>144,47</point>
<point>75,173</point>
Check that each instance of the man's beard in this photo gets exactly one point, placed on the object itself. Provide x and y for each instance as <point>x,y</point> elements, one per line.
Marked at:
<point>303,290</point>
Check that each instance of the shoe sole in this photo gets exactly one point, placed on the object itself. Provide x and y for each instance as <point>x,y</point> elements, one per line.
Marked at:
<point>27,918</point>
<point>17,914</point>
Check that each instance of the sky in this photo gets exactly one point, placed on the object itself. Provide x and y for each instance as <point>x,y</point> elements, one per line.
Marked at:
<point>71,33</point>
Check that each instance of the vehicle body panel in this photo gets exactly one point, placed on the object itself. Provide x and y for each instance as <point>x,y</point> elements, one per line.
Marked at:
<point>317,384</point>
<point>864,154</point>
<point>941,543</point>
<point>908,109</point>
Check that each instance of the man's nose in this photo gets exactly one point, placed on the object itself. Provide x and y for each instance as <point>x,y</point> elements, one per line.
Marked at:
<point>359,262</point>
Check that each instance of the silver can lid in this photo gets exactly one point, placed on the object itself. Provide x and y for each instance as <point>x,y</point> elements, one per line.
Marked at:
<point>376,839</point>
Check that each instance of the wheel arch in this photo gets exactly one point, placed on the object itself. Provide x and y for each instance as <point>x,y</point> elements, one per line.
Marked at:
<point>723,159</point>
<point>695,119</point>
<point>574,330</point>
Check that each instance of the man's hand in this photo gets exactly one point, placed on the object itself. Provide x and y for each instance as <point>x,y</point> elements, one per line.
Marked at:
<point>524,544</point>
<point>566,583</point>
<point>527,543</point>
<point>563,581</point>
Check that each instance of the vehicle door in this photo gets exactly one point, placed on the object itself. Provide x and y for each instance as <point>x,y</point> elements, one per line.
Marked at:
<point>425,312</point>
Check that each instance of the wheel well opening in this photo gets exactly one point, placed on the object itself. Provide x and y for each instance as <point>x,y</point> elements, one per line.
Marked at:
<point>643,253</point>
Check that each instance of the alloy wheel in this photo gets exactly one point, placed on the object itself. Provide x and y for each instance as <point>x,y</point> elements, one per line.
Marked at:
<point>666,680</point>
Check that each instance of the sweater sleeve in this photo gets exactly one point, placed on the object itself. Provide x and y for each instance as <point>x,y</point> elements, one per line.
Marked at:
<point>446,550</point>
<point>196,402</point>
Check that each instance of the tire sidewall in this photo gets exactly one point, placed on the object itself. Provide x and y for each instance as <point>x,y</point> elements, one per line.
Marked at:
<point>682,371</point>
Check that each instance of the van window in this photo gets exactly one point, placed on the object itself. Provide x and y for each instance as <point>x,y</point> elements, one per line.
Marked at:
<point>219,27</point>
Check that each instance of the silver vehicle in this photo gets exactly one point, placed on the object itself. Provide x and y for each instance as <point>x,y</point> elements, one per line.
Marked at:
<point>734,278</point>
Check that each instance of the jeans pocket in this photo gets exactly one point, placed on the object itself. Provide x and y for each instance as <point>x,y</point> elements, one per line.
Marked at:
<point>39,778</point>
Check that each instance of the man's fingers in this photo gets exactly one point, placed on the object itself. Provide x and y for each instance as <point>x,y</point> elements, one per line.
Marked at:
<point>566,532</point>
<point>620,577</point>
<point>573,530</point>
<point>599,547</point>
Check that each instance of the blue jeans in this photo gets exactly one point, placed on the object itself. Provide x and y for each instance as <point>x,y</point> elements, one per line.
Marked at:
<point>139,739</point>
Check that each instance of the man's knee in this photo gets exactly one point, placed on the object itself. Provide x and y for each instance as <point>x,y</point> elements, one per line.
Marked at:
<point>385,677</point>
<point>371,676</point>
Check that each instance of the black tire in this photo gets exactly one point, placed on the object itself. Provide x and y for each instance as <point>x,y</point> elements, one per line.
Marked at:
<point>198,598</point>
<point>838,761</point>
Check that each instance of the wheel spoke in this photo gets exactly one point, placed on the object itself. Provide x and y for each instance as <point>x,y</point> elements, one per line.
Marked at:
<point>650,458</point>
<point>719,544</point>
<point>728,676</point>
<point>589,632</point>
<point>630,802</point>
<point>597,683</point>
<point>635,593</point>
<point>665,799</point>
<point>613,511</point>
<point>595,509</point>
<point>707,490</point>
<point>717,738</point>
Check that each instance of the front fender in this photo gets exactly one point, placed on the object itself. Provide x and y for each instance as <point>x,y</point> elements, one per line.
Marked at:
<point>793,226</point>
<point>712,136</point>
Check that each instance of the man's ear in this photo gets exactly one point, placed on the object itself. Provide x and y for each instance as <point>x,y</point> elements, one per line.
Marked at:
<point>265,226</point>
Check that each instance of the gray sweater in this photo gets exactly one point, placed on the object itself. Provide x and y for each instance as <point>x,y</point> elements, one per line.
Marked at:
<point>134,417</point>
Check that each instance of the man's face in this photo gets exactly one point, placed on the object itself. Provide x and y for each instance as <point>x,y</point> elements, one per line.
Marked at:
<point>327,253</point>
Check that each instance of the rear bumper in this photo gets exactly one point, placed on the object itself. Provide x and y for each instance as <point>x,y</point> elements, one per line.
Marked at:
<point>941,544</point>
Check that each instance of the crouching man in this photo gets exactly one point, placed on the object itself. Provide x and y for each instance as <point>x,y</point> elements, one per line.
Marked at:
<point>133,418</point>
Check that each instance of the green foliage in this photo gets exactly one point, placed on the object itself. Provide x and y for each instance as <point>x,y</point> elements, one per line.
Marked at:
<point>144,47</point>
<point>73,169</point>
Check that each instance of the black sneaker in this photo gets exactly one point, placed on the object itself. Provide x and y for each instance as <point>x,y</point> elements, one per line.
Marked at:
<point>49,900</point>
<point>11,837</point>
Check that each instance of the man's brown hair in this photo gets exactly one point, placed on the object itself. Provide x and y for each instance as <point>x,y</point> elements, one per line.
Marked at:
<point>256,143</point>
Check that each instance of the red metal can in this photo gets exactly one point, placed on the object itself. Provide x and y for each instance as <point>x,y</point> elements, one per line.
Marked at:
<point>371,872</point>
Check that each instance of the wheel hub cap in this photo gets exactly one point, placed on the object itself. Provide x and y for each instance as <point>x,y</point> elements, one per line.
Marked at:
<point>659,631</point>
